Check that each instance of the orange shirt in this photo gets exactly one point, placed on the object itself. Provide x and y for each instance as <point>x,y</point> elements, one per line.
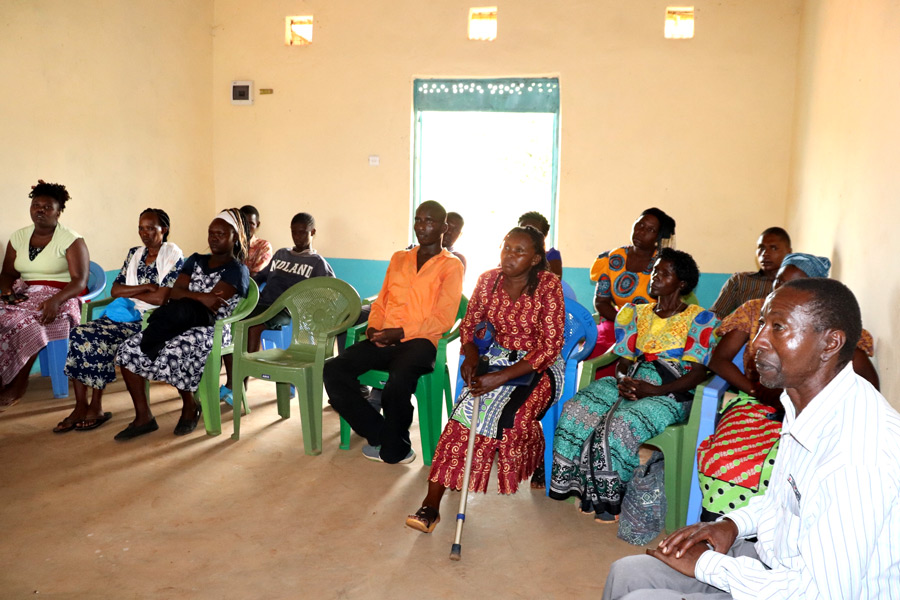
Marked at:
<point>425,302</point>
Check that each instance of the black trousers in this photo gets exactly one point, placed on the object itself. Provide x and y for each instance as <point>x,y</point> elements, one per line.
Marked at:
<point>405,363</point>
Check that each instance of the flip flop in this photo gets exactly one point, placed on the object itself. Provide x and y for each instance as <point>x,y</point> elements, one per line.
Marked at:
<point>64,427</point>
<point>226,395</point>
<point>88,424</point>
<point>7,405</point>
<point>425,519</point>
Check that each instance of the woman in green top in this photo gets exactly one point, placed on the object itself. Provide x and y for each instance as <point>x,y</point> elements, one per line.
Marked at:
<point>45,268</point>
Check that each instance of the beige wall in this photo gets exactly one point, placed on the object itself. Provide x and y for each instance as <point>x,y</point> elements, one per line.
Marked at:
<point>701,128</point>
<point>844,195</point>
<point>111,98</point>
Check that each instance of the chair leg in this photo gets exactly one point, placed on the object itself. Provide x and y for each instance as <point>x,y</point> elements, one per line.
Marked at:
<point>448,392</point>
<point>345,434</point>
<point>429,415</point>
<point>57,351</point>
<point>283,399</point>
<point>673,489</point>
<point>208,394</point>
<point>310,414</point>
<point>44,362</point>
<point>239,399</point>
<point>548,424</point>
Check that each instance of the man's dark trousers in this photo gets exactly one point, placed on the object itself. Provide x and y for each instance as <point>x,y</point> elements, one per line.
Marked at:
<point>405,363</point>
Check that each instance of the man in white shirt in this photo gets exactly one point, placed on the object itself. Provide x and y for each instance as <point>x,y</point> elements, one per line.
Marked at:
<point>828,526</point>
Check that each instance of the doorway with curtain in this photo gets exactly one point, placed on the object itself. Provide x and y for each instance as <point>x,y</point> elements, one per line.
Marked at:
<point>489,150</point>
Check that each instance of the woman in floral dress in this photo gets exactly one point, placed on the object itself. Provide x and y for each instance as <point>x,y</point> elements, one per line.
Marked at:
<point>143,283</point>
<point>217,281</point>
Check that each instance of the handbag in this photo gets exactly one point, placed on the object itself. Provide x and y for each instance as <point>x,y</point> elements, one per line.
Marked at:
<point>644,505</point>
<point>122,310</point>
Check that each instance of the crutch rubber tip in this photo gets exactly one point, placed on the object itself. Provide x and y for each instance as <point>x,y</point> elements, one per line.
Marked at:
<point>455,550</point>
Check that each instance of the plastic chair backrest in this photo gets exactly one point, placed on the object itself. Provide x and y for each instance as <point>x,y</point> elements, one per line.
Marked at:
<point>96,282</point>
<point>319,307</point>
<point>245,305</point>
<point>581,332</point>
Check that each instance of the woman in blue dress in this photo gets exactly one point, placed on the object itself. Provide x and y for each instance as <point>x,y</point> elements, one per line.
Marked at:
<point>208,289</point>
<point>143,283</point>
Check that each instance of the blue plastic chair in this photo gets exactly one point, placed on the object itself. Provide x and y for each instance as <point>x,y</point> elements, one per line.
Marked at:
<point>53,356</point>
<point>272,339</point>
<point>581,337</point>
<point>712,394</point>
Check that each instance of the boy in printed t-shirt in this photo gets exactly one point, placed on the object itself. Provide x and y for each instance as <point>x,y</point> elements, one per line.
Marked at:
<point>287,267</point>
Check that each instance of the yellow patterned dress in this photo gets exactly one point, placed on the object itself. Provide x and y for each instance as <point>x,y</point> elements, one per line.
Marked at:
<point>663,350</point>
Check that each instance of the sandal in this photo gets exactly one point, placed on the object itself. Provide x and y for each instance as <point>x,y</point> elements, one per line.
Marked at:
<point>605,518</point>
<point>226,396</point>
<point>425,519</point>
<point>65,425</point>
<point>6,404</point>
<point>88,424</point>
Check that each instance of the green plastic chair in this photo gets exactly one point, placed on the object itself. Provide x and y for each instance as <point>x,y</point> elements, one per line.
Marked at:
<point>678,444</point>
<point>429,389</point>
<point>320,308</point>
<point>208,393</point>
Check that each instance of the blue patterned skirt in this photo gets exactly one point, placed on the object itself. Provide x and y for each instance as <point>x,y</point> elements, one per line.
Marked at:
<point>92,351</point>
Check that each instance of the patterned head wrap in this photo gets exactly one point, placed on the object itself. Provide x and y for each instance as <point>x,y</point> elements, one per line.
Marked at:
<point>813,266</point>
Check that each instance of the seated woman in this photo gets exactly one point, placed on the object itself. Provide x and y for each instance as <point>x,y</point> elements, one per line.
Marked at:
<point>208,288</point>
<point>523,302</point>
<point>46,267</point>
<point>663,348</point>
<point>735,463</point>
<point>623,274</point>
<point>143,283</point>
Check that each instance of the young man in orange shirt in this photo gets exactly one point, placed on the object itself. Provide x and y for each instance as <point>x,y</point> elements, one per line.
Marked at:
<point>418,302</point>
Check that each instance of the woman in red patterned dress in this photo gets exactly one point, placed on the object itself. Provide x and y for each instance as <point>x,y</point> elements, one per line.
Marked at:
<point>523,301</point>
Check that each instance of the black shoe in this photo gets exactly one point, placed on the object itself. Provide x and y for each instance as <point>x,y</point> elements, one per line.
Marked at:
<point>133,431</point>
<point>185,426</point>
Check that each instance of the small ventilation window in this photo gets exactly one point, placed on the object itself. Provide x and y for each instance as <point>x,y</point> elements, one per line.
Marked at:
<point>483,23</point>
<point>679,22</point>
<point>298,31</point>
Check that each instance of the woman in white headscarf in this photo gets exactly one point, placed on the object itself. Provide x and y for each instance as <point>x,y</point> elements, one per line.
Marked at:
<point>175,346</point>
<point>143,283</point>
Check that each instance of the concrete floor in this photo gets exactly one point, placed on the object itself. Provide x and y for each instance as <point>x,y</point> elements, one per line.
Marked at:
<point>82,516</point>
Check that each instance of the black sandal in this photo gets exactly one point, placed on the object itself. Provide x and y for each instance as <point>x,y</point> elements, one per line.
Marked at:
<point>425,519</point>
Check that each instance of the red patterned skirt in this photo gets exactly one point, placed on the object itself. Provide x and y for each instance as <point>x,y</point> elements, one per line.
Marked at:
<point>520,449</point>
<point>22,335</point>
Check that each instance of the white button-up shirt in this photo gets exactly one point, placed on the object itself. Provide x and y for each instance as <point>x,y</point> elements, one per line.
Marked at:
<point>829,524</point>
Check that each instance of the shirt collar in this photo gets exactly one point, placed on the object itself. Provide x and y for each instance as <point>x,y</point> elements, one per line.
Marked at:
<point>820,413</point>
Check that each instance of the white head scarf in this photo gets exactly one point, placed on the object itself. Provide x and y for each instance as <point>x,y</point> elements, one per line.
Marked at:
<point>230,216</point>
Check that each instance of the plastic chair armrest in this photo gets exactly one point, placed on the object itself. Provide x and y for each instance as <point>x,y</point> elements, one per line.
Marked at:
<point>90,307</point>
<point>590,367</point>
